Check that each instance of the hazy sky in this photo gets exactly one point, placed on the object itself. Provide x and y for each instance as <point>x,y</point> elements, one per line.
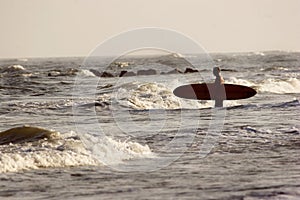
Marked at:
<point>35,28</point>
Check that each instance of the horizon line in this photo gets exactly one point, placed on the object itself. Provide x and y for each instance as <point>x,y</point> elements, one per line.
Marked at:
<point>213,52</point>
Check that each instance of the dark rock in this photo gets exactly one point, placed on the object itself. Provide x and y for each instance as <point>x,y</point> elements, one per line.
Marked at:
<point>190,70</point>
<point>146,72</point>
<point>126,74</point>
<point>229,70</point>
<point>174,71</point>
<point>96,104</point>
<point>106,74</point>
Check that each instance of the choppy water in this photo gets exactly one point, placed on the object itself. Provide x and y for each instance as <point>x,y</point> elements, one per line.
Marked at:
<point>115,146</point>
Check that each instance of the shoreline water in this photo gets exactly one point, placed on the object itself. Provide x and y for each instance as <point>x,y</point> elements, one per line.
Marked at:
<point>255,157</point>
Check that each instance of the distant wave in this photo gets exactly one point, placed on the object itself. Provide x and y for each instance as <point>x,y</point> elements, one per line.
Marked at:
<point>271,85</point>
<point>12,69</point>
<point>287,130</point>
<point>279,68</point>
<point>291,85</point>
<point>286,104</point>
<point>292,103</point>
<point>86,73</point>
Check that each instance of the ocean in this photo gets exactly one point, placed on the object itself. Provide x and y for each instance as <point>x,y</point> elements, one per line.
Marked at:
<point>71,131</point>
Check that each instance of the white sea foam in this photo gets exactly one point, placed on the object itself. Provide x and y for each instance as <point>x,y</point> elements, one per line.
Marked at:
<point>113,152</point>
<point>17,161</point>
<point>55,152</point>
<point>12,69</point>
<point>143,96</point>
<point>290,85</point>
<point>16,67</point>
<point>234,80</point>
<point>158,96</point>
<point>66,150</point>
<point>259,53</point>
<point>86,73</point>
<point>155,96</point>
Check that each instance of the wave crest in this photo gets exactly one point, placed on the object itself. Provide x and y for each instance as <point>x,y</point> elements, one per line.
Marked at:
<point>25,148</point>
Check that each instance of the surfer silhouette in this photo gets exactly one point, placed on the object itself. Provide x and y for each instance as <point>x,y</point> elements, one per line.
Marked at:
<point>219,81</point>
<point>217,91</point>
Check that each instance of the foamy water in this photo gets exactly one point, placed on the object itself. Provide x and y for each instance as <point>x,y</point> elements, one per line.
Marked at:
<point>65,150</point>
<point>134,139</point>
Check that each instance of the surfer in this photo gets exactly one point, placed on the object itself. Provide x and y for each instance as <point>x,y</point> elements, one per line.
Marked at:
<point>218,83</point>
<point>219,79</point>
<point>217,91</point>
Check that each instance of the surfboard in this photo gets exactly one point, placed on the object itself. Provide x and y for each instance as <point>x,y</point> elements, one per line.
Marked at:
<point>209,91</point>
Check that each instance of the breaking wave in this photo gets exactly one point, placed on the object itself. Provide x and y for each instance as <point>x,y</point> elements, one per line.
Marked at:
<point>25,148</point>
<point>141,96</point>
<point>277,86</point>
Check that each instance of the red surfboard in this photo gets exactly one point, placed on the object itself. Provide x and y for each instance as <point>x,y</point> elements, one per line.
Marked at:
<point>209,91</point>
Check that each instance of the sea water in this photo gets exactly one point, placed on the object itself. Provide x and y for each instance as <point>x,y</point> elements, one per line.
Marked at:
<point>131,138</point>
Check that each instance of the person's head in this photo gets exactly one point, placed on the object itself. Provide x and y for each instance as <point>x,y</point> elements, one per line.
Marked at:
<point>216,71</point>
